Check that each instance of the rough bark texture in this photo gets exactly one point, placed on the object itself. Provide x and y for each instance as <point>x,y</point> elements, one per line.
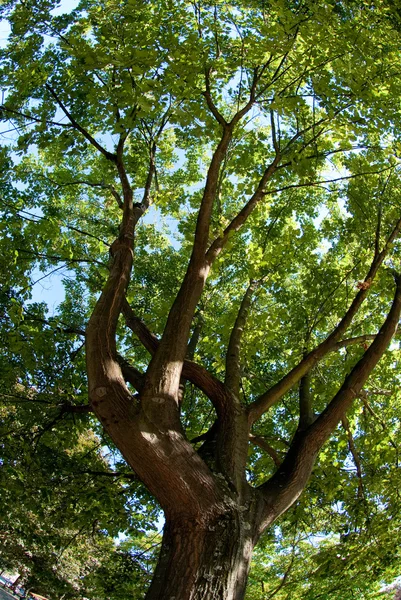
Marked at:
<point>213,516</point>
<point>207,558</point>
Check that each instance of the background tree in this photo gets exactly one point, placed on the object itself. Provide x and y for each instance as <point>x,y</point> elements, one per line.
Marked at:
<point>247,336</point>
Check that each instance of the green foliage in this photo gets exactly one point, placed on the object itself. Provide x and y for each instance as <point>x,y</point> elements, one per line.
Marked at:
<point>330,98</point>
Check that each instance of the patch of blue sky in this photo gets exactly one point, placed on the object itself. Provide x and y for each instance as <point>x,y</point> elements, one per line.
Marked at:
<point>48,286</point>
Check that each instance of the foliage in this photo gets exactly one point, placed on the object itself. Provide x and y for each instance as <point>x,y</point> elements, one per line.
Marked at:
<point>158,82</point>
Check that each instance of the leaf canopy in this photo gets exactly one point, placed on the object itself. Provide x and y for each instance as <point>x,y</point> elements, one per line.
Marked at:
<point>161,79</point>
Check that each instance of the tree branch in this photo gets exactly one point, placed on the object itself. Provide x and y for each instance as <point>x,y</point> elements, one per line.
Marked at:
<point>219,243</point>
<point>208,97</point>
<point>212,387</point>
<point>355,456</point>
<point>233,360</point>
<point>75,125</point>
<point>271,396</point>
<point>360,339</point>
<point>354,382</point>
<point>323,181</point>
<point>91,184</point>
<point>285,486</point>
<point>306,413</point>
<point>193,342</point>
<point>131,374</point>
<point>164,372</point>
<point>259,441</point>
<point>32,117</point>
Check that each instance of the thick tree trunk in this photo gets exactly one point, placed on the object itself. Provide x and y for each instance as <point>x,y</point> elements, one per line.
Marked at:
<point>207,559</point>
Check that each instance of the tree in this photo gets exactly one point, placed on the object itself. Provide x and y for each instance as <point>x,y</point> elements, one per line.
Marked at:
<point>265,135</point>
<point>62,508</point>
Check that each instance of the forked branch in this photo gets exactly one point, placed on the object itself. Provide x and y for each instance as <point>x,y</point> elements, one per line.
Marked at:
<point>287,483</point>
<point>212,387</point>
<point>271,396</point>
<point>236,223</point>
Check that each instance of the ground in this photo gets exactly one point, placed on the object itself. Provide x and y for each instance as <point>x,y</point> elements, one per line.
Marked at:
<point>5,595</point>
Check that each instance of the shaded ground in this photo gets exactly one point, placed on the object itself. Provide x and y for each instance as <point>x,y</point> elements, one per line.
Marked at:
<point>5,595</point>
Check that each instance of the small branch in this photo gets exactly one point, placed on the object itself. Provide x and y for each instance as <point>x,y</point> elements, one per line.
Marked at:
<point>360,339</point>
<point>208,97</point>
<point>355,456</point>
<point>323,181</point>
<point>259,441</point>
<point>378,229</point>
<point>54,258</point>
<point>130,373</point>
<point>149,179</point>
<point>75,125</point>
<point>219,243</point>
<point>25,214</point>
<point>355,381</point>
<point>33,118</point>
<point>286,485</point>
<point>193,342</point>
<point>363,395</point>
<point>284,578</point>
<point>81,409</point>
<point>145,336</point>
<point>252,97</point>
<point>18,398</point>
<point>105,186</point>
<point>55,325</point>
<point>111,474</point>
<point>274,136</point>
<point>306,414</point>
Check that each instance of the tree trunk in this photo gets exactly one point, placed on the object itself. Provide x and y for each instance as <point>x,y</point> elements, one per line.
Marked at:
<point>207,559</point>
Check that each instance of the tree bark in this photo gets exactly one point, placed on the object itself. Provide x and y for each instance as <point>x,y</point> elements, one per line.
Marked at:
<point>206,559</point>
